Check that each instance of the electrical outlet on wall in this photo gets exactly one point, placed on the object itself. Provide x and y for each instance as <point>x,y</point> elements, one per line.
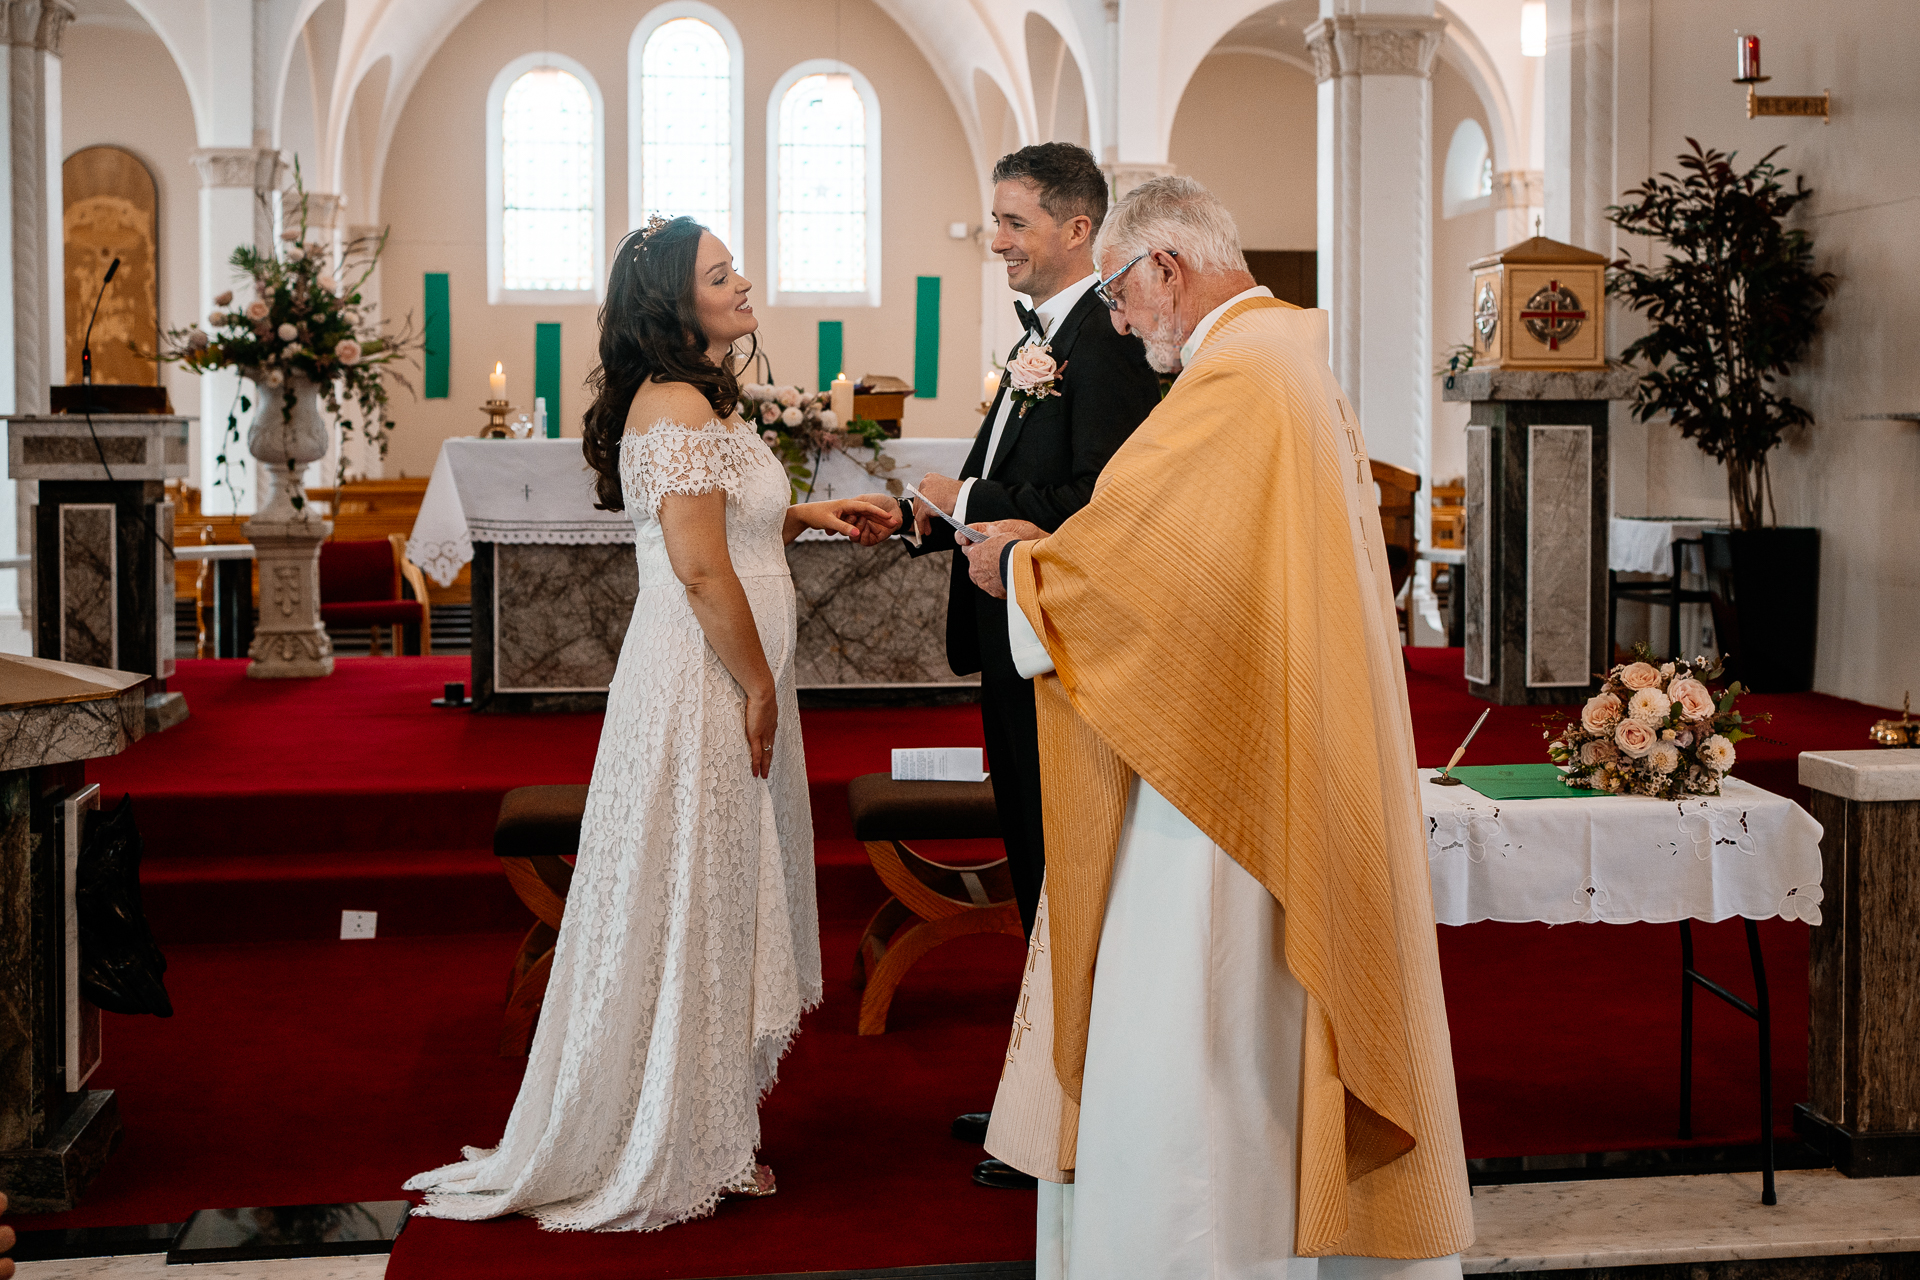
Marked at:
<point>358,924</point>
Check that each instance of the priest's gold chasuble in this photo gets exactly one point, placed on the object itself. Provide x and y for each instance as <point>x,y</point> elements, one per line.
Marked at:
<point>1221,623</point>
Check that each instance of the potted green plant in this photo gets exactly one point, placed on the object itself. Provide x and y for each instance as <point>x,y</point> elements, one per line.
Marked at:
<point>1730,310</point>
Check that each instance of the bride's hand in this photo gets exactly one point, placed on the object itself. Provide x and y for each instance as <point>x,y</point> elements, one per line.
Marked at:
<point>837,515</point>
<point>762,716</point>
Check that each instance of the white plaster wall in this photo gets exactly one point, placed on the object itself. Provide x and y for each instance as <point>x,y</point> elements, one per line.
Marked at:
<point>1245,128</point>
<point>1854,480</point>
<point>121,88</point>
<point>1457,242</point>
<point>433,193</point>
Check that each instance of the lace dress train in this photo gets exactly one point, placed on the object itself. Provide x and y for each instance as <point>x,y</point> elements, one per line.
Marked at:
<point>690,945</point>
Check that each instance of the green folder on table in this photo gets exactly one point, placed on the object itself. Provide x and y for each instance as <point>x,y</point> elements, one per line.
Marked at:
<point>1520,782</point>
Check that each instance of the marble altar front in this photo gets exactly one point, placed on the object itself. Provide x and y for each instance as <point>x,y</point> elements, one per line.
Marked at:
<point>554,580</point>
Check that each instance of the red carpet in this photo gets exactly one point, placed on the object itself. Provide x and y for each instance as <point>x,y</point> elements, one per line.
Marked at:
<point>315,1070</point>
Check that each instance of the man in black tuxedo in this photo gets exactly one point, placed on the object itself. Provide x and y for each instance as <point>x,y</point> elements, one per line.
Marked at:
<point>1037,455</point>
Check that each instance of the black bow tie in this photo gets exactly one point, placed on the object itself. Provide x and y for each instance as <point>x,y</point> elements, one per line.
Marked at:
<point>1028,321</point>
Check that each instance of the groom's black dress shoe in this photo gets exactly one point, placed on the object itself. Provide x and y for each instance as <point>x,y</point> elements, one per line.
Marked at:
<point>1002,1176</point>
<point>972,1127</point>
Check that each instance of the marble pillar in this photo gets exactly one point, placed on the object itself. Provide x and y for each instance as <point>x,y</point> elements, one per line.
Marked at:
<point>1863,1070</point>
<point>55,1133</point>
<point>1375,93</point>
<point>289,641</point>
<point>1537,512</point>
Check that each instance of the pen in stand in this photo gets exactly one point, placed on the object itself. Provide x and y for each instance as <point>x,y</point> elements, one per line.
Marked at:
<point>1446,778</point>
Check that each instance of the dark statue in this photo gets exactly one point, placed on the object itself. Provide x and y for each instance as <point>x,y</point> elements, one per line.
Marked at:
<point>120,963</point>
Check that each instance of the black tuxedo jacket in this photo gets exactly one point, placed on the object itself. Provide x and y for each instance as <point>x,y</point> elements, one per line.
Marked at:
<point>1044,470</point>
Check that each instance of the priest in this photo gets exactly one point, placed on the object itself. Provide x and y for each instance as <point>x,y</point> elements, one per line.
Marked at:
<point>1230,1057</point>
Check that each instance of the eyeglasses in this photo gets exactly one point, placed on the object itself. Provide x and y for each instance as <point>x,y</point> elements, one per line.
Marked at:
<point>1100,290</point>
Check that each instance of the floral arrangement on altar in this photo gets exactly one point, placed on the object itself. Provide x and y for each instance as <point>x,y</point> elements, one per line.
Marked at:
<point>801,428</point>
<point>1653,731</point>
<point>307,326</point>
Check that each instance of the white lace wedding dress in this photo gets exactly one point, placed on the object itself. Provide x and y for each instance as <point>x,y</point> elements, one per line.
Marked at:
<point>690,945</point>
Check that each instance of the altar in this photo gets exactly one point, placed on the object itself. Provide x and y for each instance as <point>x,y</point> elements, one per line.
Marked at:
<point>554,581</point>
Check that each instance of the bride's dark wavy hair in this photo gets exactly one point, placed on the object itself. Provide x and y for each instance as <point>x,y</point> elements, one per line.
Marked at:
<point>649,332</point>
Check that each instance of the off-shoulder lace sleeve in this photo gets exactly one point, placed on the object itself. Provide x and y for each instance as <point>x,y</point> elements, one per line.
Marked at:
<point>674,458</point>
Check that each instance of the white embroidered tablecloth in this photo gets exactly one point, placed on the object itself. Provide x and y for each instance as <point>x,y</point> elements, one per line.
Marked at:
<point>1643,544</point>
<point>540,491</point>
<point>1745,852</point>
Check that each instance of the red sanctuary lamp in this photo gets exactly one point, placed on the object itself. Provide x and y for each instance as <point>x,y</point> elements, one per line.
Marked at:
<point>1747,63</point>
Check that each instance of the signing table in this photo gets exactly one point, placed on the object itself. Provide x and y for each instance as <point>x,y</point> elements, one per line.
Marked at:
<point>1620,859</point>
<point>554,580</point>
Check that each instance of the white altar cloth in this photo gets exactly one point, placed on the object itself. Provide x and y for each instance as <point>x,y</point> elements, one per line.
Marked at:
<point>1617,859</point>
<point>525,492</point>
<point>1643,544</point>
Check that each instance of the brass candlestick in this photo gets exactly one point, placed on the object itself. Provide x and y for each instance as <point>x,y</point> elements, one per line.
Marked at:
<point>496,428</point>
<point>1904,732</point>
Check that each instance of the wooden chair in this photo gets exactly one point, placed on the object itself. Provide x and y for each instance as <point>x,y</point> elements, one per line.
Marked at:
<point>361,584</point>
<point>1398,488</point>
<point>932,902</point>
<point>537,831</point>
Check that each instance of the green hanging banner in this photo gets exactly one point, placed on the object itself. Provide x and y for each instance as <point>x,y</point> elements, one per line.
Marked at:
<point>832,356</point>
<point>546,374</point>
<point>435,330</point>
<point>926,338</point>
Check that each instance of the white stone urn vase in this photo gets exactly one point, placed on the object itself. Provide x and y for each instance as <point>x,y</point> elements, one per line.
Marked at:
<point>286,534</point>
<point>286,443</point>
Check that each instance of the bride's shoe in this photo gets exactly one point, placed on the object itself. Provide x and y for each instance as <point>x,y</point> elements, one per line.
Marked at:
<point>751,1186</point>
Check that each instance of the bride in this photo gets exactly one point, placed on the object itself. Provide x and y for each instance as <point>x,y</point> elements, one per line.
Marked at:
<point>690,945</point>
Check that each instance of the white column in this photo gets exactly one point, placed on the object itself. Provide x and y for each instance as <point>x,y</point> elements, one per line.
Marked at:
<point>230,190</point>
<point>1376,223</point>
<point>33,338</point>
<point>1580,122</point>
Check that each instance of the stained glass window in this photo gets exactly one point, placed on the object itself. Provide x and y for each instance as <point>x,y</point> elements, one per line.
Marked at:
<point>546,170</point>
<point>686,126</point>
<point>823,224</point>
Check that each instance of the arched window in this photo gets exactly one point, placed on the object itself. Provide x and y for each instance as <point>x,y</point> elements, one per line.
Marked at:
<point>824,170</point>
<point>546,183</point>
<point>685,120</point>
<point>1466,184</point>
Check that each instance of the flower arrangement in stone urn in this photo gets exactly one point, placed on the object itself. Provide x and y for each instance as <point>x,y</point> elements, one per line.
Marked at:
<point>307,340</point>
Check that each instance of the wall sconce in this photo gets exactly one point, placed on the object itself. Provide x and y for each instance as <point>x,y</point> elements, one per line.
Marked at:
<point>1747,53</point>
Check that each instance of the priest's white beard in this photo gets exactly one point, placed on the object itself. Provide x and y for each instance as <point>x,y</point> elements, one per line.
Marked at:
<point>1164,339</point>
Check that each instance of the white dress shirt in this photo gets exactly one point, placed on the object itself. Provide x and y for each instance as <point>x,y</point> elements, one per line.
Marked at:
<point>1049,314</point>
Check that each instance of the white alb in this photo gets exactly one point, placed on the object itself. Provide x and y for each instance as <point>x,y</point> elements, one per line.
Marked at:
<point>690,945</point>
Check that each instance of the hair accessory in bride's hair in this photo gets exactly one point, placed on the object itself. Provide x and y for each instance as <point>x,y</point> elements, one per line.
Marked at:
<point>654,223</point>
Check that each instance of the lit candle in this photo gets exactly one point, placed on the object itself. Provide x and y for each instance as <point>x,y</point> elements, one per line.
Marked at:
<point>497,380</point>
<point>1749,56</point>
<point>989,386</point>
<point>842,403</point>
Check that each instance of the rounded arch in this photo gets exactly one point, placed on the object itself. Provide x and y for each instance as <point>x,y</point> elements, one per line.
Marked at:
<point>1062,112</point>
<point>1466,183</point>
<point>656,18</point>
<point>496,101</point>
<point>790,80</point>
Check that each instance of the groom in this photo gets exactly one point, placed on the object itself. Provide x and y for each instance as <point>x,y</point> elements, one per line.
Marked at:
<point>1073,392</point>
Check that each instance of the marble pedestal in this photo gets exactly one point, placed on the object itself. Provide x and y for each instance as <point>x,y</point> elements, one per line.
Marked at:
<point>103,575</point>
<point>55,1133</point>
<point>1537,511</point>
<point>1863,1042</point>
<point>289,640</point>
<point>549,622</point>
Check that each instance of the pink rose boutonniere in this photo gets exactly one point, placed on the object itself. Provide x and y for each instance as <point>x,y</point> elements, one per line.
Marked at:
<point>1033,375</point>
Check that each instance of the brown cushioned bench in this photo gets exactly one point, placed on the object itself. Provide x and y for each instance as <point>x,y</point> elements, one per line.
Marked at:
<point>537,831</point>
<point>932,902</point>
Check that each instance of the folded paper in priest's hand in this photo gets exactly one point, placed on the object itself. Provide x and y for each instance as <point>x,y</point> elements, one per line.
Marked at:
<point>938,764</point>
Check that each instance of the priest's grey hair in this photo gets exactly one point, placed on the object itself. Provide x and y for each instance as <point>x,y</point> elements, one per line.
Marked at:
<point>1173,213</point>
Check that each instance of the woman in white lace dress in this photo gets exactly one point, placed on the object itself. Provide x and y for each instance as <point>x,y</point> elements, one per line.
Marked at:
<point>690,945</point>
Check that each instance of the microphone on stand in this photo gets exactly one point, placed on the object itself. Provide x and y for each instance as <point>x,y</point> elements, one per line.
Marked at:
<point>86,367</point>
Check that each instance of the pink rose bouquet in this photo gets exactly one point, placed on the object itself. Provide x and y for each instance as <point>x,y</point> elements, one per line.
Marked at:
<point>801,429</point>
<point>1653,730</point>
